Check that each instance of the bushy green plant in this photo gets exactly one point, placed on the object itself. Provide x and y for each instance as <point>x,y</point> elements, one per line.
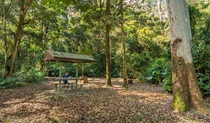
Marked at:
<point>10,83</point>
<point>137,64</point>
<point>25,75</point>
<point>33,76</point>
<point>30,75</point>
<point>156,71</point>
<point>159,72</point>
<point>97,68</point>
<point>167,80</point>
<point>204,84</point>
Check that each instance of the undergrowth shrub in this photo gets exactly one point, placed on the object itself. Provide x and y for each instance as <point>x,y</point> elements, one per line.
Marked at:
<point>204,83</point>
<point>18,80</point>
<point>159,72</point>
<point>167,79</point>
<point>10,83</point>
<point>156,71</point>
<point>32,76</point>
<point>137,64</point>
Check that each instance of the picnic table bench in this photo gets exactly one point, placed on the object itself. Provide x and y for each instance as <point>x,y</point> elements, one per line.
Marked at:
<point>67,85</point>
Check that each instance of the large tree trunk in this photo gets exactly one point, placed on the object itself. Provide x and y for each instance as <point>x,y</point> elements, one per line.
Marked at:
<point>124,66</point>
<point>108,55</point>
<point>186,93</point>
<point>24,6</point>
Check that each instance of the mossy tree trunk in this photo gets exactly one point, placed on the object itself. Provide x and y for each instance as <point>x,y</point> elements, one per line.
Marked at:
<point>124,66</point>
<point>186,93</point>
<point>108,55</point>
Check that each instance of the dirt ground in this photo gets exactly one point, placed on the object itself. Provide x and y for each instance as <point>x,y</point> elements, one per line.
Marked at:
<point>94,103</point>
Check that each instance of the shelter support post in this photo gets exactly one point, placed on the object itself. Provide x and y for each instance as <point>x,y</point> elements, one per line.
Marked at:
<point>77,69</point>
<point>82,69</point>
<point>60,74</point>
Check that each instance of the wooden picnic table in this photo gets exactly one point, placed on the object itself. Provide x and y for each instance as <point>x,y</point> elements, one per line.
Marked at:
<point>67,85</point>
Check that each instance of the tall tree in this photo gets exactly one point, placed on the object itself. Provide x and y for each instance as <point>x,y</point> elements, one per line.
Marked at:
<point>159,9</point>
<point>5,35</point>
<point>24,6</point>
<point>107,40</point>
<point>124,66</point>
<point>186,93</point>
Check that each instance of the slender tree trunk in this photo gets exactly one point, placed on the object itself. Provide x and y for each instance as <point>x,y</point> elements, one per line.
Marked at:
<point>100,4</point>
<point>186,93</point>
<point>124,66</point>
<point>108,55</point>
<point>16,45</point>
<point>24,6</point>
<point>159,9</point>
<point>5,31</point>
<point>45,31</point>
<point>5,38</point>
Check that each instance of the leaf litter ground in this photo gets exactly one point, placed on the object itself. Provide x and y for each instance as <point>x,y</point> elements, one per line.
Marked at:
<point>141,103</point>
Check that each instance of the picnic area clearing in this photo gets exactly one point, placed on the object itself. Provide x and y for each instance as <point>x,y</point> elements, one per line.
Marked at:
<point>40,103</point>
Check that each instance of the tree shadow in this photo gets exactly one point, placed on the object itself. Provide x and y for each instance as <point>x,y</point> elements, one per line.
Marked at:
<point>94,103</point>
<point>23,94</point>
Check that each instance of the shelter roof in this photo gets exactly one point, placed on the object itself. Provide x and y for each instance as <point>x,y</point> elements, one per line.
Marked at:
<point>67,57</point>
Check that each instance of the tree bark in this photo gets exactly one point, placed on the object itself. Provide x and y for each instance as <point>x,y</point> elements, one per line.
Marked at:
<point>24,6</point>
<point>159,9</point>
<point>100,5</point>
<point>124,66</point>
<point>186,93</point>
<point>5,31</point>
<point>5,73</point>
<point>108,55</point>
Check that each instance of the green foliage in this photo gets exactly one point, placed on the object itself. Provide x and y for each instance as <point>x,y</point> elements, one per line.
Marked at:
<point>137,63</point>
<point>146,41</point>
<point>167,79</point>
<point>203,81</point>
<point>30,75</point>
<point>10,83</point>
<point>98,68</point>
<point>200,24</point>
<point>158,71</point>
<point>18,80</point>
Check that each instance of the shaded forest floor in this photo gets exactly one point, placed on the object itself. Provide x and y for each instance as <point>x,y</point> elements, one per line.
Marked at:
<point>39,103</point>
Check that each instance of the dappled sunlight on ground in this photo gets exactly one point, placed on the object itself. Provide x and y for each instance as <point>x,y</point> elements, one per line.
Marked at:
<point>93,103</point>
